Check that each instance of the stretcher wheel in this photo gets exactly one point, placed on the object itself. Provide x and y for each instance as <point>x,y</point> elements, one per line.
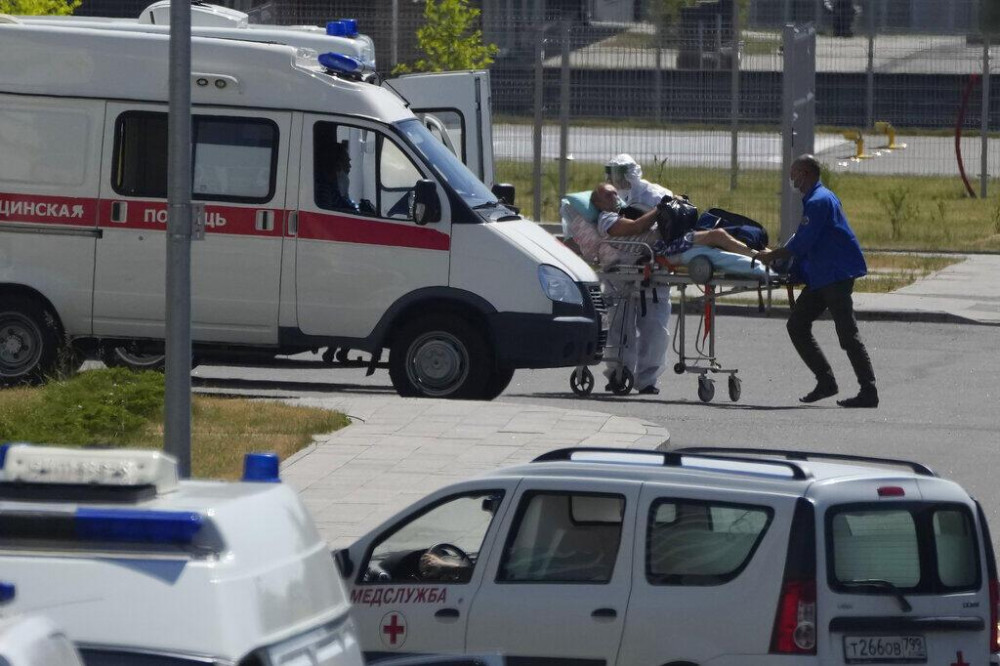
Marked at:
<point>679,368</point>
<point>582,382</point>
<point>622,383</point>
<point>700,269</point>
<point>706,389</point>
<point>735,388</point>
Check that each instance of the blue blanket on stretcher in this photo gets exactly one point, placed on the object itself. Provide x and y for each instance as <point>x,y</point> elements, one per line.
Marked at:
<point>727,263</point>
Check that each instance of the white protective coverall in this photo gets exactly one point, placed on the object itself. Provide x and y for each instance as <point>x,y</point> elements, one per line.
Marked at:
<point>645,352</point>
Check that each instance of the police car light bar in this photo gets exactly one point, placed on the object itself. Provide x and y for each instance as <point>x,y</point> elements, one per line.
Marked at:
<point>27,463</point>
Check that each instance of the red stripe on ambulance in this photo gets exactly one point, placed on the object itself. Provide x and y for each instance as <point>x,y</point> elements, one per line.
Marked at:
<point>344,229</point>
<point>42,209</point>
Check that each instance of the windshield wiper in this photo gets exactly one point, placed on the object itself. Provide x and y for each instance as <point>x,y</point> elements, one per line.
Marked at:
<point>488,204</point>
<point>879,584</point>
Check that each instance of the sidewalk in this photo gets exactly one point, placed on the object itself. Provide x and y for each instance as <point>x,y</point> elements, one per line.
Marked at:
<point>400,449</point>
<point>965,293</point>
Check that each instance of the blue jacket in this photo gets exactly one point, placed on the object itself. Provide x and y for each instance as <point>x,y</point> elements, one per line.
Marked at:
<point>825,248</point>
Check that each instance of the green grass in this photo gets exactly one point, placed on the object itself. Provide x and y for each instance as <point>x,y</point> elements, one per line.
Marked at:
<point>921,213</point>
<point>120,408</point>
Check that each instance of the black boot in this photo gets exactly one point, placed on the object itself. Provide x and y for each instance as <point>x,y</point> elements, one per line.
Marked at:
<point>824,389</point>
<point>867,397</point>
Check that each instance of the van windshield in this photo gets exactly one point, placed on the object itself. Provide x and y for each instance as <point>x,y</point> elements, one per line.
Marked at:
<point>448,167</point>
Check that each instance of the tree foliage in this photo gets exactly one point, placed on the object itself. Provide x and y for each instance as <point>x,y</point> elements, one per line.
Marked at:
<point>449,39</point>
<point>38,7</point>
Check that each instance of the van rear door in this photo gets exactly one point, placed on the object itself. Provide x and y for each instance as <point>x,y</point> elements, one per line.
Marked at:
<point>455,106</point>
<point>908,582</point>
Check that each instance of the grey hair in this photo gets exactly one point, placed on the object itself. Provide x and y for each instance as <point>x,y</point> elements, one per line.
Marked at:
<point>809,162</point>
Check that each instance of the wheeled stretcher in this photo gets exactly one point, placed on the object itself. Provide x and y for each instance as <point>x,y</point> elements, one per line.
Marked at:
<point>704,279</point>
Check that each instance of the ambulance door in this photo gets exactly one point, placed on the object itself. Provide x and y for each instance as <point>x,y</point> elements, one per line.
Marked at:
<point>358,250</point>
<point>239,160</point>
<point>455,106</point>
<point>50,150</point>
<point>556,590</point>
<point>414,579</point>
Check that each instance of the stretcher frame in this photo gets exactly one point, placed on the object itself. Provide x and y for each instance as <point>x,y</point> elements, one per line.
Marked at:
<point>628,279</point>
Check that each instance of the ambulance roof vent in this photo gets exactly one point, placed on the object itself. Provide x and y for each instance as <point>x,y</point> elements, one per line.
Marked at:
<point>50,473</point>
<point>202,15</point>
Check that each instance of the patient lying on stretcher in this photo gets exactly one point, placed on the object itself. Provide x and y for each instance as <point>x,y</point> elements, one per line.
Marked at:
<point>612,223</point>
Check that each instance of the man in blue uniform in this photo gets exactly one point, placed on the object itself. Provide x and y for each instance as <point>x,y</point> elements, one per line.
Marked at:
<point>827,256</point>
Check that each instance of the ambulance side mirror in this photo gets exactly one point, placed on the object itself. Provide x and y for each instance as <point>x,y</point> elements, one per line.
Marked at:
<point>505,193</point>
<point>343,559</point>
<point>425,205</point>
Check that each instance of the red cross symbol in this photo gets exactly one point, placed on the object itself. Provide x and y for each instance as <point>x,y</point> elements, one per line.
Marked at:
<point>960,662</point>
<point>394,629</point>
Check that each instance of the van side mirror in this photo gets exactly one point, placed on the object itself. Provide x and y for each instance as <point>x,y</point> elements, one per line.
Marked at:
<point>343,559</point>
<point>425,205</point>
<point>504,192</point>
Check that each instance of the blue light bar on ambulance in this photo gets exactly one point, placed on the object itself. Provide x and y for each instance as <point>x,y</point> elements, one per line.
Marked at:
<point>7,592</point>
<point>341,64</point>
<point>141,526</point>
<point>342,28</point>
<point>261,467</point>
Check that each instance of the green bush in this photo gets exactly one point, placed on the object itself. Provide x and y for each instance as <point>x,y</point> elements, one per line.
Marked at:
<point>94,407</point>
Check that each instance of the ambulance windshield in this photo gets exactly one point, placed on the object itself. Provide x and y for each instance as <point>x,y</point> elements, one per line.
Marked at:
<point>448,167</point>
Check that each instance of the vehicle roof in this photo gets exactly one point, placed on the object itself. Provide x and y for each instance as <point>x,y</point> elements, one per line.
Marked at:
<point>76,61</point>
<point>261,574</point>
<point>771,474</point>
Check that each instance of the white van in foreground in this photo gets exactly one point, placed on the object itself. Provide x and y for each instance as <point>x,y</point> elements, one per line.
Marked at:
<point>141,569</point>
<point>334,217</point>
<point>694,557</point>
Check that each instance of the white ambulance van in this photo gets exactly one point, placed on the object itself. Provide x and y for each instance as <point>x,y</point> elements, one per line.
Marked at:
<point>334,215</point>
<point>140,569</point>
<point>692,557</point>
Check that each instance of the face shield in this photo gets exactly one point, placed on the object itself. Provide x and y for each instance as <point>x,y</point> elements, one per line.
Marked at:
<point>617,175</point>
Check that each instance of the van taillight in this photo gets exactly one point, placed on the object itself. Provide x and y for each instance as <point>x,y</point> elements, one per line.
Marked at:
<point>795,620</point>
<point>994,615</point>
<point>991,571</point>
<point>795,626</point>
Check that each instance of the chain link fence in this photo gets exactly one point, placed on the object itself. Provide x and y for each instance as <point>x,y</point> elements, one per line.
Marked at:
<point>698,102</point>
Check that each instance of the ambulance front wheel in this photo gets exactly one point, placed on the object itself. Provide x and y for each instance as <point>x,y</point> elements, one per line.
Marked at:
<point>441,357</point>
<point>30,340</point>
<point>499,380</point>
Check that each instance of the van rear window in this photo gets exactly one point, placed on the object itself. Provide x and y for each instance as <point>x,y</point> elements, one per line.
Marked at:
<point>917,547</point>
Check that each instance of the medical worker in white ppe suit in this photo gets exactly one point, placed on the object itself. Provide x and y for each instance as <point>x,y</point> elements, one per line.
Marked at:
<point>645,353</point>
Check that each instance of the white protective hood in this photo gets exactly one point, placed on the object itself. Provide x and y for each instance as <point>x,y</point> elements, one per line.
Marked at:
<point>640,191</point>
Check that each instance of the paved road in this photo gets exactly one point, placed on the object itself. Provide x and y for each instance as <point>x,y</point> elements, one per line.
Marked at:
<point>938,382</point>
<point>757,150</point>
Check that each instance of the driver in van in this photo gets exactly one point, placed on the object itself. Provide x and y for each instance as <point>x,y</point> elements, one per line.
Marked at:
<point>333,167</point>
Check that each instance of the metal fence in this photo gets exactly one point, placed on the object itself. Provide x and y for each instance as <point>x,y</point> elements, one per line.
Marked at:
<point>698,103</point>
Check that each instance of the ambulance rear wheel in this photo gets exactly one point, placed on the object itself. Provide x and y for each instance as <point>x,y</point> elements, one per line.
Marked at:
<point>440,356</point>
<point>127,356</point>
<point>30,340</point>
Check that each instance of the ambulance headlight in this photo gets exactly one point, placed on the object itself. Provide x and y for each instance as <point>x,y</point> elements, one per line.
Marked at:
<point>558,286</point>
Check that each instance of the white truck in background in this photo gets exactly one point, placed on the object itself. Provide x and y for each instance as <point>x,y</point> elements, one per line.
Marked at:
<point>425,260</point>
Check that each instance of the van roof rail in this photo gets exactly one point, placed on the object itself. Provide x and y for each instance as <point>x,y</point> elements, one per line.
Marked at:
<point>669,458</point>
<point>788,454</point>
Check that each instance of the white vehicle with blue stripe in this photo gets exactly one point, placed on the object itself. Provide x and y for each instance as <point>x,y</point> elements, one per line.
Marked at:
<point>140,568</point>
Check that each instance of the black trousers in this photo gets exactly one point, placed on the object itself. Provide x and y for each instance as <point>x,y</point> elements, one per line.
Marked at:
<point>836,297</point>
